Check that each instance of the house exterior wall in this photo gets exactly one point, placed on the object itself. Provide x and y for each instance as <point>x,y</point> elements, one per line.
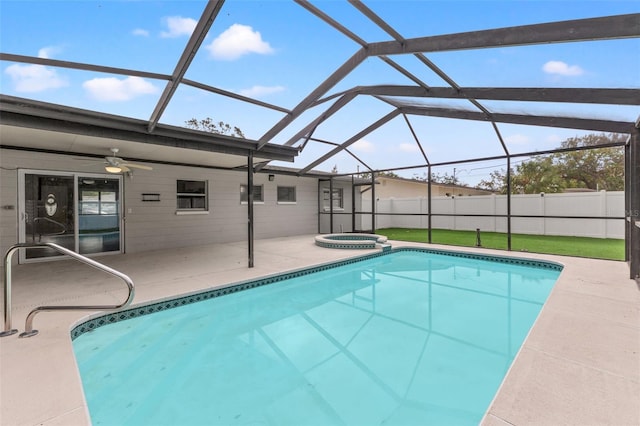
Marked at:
<point>406,188</point>
<point>156,225</point>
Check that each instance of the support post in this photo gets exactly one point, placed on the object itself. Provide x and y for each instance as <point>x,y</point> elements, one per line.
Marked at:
<point>331,205</point>
<point>429,202</point>
<point>250,207</point>
<point>632,198</point>
<point>506,151</point>
<point>508,202</point>
<point>627,202</point>
<point>373,202</point>
<point>353,204</point>
<point>319,206</point>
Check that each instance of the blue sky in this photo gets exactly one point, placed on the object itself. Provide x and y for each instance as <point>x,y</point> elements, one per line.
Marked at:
<point>278,52</point>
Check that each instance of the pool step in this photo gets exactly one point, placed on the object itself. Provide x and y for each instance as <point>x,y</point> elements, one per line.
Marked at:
<point>385,247</point>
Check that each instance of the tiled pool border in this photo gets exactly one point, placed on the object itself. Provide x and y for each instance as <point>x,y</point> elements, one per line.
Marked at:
<point>133,312</point>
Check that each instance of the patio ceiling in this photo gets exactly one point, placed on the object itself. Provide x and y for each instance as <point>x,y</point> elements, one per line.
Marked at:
<point>24,122</point>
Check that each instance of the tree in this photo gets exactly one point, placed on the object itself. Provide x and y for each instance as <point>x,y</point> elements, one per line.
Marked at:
<point>601,168</point>
<point>445,178</point>
<point>496,183</point>
<point>598,168</point>
<point>367,175</point>
<point>540,174</point>
<point>208,125</point>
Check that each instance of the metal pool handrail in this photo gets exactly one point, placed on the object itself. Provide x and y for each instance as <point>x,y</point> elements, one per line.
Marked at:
<point>29,331</point>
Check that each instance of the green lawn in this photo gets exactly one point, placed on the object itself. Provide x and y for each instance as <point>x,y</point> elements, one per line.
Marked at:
<point>598,248</point>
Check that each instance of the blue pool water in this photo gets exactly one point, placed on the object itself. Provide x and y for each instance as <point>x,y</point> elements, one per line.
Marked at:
<point>407,338</point>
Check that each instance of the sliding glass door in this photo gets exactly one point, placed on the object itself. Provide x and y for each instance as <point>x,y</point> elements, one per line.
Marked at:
<point>79,212</point>
<point>98,215</point>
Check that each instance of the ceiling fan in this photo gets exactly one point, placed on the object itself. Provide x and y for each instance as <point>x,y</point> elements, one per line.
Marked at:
<point>115,164</point>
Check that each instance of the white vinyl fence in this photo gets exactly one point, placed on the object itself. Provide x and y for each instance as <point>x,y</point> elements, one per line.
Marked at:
<point>601,204</point>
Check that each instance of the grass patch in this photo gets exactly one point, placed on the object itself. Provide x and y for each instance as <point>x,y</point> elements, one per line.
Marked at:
<point>597,248</point>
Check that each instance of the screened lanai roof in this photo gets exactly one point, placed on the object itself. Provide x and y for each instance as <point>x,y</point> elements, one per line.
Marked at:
<point>349,85</point>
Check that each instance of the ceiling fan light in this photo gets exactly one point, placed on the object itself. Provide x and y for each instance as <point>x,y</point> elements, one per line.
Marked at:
<point>113,169</point>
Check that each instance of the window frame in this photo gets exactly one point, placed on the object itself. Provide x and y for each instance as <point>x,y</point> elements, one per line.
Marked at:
<point>191,196</point>
<point>243,190</point>
<point>99,203</point>
<point>289,187</point>
<point>326,201</point>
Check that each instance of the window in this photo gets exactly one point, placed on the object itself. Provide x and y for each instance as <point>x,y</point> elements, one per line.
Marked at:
<point>338,198</point>
<point>98,202</point>
<point>286,194</point>
<point>258,196</point>
<point>192,195</point>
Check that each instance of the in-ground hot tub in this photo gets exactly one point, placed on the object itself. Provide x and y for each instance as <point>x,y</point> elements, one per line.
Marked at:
<point>353,241</point>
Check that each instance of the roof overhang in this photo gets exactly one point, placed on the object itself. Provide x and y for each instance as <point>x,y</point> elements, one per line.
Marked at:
<point>39,125</point>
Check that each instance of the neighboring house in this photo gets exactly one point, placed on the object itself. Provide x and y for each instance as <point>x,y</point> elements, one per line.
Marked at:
<point>395,187</point>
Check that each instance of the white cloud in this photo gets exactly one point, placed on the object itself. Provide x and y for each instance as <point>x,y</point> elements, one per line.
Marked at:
<point>114,89</point>
<point>517,139</point>
<point>34,78</point>
<point>363,146</point>
<point>562,68</point>
<point>257,91</point>
<point>178,26</point>
<point>409,147</point>
<point>140,32</point>
<point>236,41</point>
<point>48,52</point>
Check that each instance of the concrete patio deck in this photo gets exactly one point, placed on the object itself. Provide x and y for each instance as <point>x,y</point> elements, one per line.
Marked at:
<point>580,364</point>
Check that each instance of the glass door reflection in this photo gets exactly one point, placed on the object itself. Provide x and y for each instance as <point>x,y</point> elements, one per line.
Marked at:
<point>49,213</point>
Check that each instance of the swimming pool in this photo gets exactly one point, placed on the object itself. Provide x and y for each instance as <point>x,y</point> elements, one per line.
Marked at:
<point>410,337</point>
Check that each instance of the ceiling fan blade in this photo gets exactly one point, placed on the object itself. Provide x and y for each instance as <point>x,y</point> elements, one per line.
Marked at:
<point>124,168</point>
<point>138,166</point>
